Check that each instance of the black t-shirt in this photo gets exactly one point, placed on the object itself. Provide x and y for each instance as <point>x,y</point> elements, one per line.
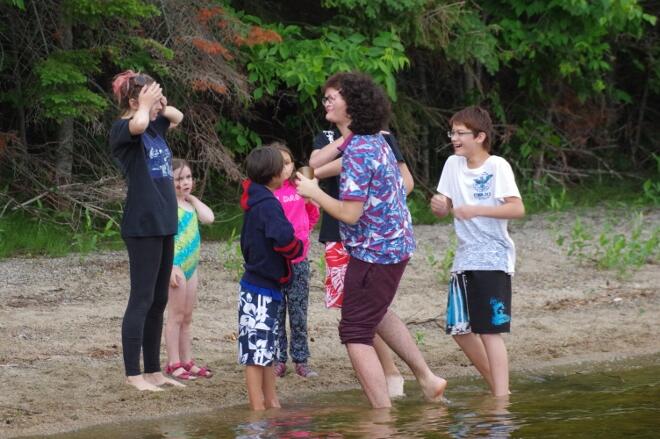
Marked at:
<point>146,162</point>
<point>329,225</point>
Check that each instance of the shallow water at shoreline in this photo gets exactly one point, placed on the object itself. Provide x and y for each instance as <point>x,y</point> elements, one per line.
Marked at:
<point>606,401</point>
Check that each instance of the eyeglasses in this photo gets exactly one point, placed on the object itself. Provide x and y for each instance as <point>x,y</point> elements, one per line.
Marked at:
<point>451,134</point>
<point>325,100</point>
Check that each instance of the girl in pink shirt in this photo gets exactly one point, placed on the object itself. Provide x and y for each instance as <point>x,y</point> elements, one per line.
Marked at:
<point>303,215</point>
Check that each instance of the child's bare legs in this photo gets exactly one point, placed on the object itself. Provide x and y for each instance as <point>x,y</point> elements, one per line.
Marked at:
<point>176,306</point>
<point>395,333</point>
<point>260,382</point>
<point>392,374</point>
<point>185,333</point>
<point>474,349</point>
<point>254,378</point>
<point>499,363</point>
<point>269,390</point>
<point>370,374</point>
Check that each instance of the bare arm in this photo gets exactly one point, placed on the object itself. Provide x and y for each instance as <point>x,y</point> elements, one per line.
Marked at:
<point>328,153</point>
<point>331,169</point>
<point>512,208</point>
<point>348,212</point>
<point>171,113</point>
<point>408,180</point>
<point>204,213</point>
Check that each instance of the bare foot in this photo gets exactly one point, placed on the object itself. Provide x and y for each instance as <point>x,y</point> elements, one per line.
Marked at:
<point>158,379</point>
<point>395,386</point>
<point>434,388</point>
<point>140,383</point>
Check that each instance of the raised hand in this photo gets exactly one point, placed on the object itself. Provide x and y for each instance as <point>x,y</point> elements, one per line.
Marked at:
<point>150,94</point>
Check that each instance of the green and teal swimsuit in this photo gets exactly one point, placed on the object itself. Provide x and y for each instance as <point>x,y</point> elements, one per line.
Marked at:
<point>187,242</point>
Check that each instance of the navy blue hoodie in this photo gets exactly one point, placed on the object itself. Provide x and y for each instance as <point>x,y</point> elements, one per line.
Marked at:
<point>268,242</point>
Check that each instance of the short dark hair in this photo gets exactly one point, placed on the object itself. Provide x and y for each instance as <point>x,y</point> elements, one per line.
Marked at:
<point>264,163</point>
<point>281,147</point>
<point>477,120</point>
<point>366,102</point>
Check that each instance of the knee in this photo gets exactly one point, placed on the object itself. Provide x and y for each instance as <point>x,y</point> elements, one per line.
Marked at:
<point>186,319</point>
<point>356,333</point>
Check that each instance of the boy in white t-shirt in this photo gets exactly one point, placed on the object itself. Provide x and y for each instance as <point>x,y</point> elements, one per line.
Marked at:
<point>480,190</point>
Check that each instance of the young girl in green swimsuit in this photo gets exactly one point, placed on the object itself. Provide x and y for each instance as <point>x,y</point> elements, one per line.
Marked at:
<point>184,280</point>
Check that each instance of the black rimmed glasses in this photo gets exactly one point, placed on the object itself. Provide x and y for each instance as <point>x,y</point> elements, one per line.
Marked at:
<point>325,100</point>
<point>451,134</point>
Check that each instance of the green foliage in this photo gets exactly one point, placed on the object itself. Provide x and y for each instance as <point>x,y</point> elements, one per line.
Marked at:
<point>63,91</point>
<point>230,254</point>
<point>23,235</point>
<point>651,190</point>
<point>304,64</point>
<point>89,236</point>
<point>237,137</point>
<point>607,249</point>
<point>98,12</point>
<point>442,266</point>
<point>20,4</point>
<point>374,9</point>
<point>141,54</point>
<point>474,40</point>
<point>420,209</point>
<point>566,40</point>
<point>228,219</point>
<point>419,337</point>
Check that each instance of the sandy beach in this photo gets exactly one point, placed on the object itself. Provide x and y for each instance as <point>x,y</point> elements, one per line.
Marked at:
<point>60,358</point>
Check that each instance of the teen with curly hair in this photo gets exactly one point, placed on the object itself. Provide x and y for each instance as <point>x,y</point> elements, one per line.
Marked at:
<point>376,228</point>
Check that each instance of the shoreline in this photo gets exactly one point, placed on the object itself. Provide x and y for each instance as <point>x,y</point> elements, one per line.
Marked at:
<point>61,368</point>
<point>562,367</point>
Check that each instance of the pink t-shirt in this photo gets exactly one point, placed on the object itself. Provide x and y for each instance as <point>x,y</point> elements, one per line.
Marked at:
<point>301,214</point>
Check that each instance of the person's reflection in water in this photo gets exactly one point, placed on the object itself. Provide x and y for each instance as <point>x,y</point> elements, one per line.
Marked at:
<point>497,420</point>
<point>375,424</point>
<point>491,418</point>
<point>284,424</point>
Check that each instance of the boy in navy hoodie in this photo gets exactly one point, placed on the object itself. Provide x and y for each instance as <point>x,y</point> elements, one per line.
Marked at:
<point>268,245</point>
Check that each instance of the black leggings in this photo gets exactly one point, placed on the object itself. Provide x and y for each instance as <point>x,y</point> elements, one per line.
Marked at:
<point>150,264</point>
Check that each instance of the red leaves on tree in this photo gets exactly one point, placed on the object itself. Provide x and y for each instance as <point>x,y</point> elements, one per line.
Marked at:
<point>203,85</point>
<point>212,48</point>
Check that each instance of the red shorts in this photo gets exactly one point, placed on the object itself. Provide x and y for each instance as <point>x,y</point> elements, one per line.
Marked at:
<point>336,261</point>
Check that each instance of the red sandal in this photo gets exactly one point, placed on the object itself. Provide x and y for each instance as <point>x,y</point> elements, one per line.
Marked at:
<point>185,375</point>
<point>203,372</point>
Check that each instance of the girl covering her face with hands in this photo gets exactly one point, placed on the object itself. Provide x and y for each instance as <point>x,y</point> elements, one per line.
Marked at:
<point>149,223</point>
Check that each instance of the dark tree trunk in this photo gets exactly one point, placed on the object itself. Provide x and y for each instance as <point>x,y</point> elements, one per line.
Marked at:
<point>64,164</point>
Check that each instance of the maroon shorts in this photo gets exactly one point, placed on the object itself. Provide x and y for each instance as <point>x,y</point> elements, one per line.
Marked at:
<point>368,292</point>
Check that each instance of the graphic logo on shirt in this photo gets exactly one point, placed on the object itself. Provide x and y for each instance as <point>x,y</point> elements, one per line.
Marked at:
<point>330,135</point>
<point>499,316</point>
<point>482,186</point>
<point>158,156</point>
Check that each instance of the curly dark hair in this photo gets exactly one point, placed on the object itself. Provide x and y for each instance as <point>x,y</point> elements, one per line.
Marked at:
<point>366,102</point>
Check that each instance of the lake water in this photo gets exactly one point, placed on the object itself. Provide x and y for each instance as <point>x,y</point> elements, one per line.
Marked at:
<point>615,401</point>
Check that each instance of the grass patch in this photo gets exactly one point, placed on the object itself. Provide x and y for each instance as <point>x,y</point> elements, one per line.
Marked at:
<point>22,235</point>
<point>228,222</point>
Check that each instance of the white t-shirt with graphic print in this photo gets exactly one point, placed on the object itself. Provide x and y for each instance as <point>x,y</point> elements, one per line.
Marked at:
<point>483,242</point>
